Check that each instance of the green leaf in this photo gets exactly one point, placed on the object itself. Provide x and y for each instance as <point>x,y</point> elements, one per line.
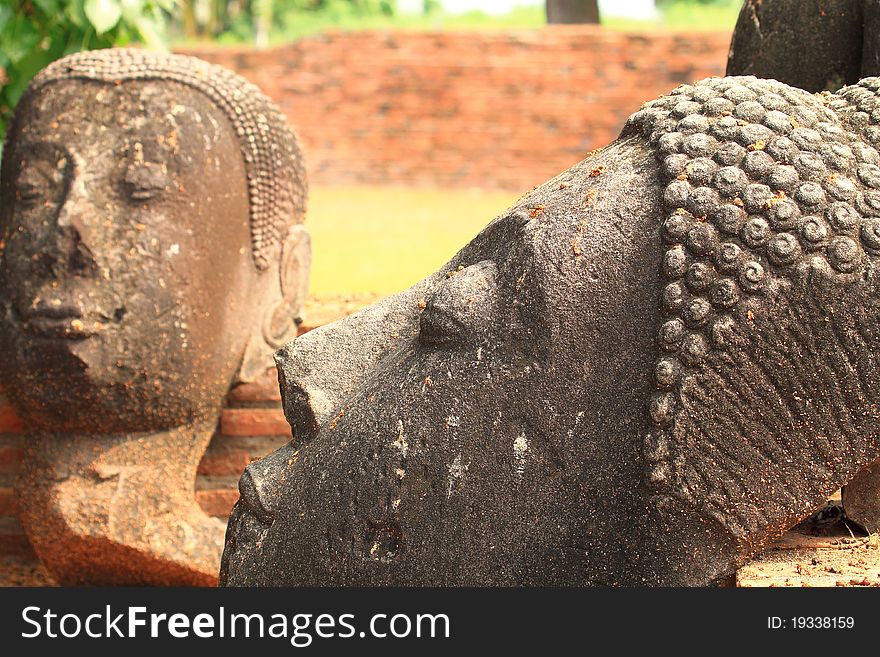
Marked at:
<point>75,11</point>
<point>150,34</point>
<point>103,14</point>
<point>5,15</point>
<point>22,73</point>
<point>49,7</point>
<point>132,10</point>
<point>19,38</point>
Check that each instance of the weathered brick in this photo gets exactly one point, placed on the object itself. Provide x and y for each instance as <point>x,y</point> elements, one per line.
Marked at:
<point>379,107</point>
<point>262,391</point>
<point>229,455</point>
<point>12,538</point>
<point>217,502</point>
<point>7,501</point>
<point>253,422</point>
<point>10,457</point>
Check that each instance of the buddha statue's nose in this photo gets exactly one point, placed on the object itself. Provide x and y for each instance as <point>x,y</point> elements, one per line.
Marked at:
<point>320,370</point>
<point>73,240</point>
<point>305,407</point>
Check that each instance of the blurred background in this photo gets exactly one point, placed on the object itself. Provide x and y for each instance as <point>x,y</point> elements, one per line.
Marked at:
<point>421,120</point>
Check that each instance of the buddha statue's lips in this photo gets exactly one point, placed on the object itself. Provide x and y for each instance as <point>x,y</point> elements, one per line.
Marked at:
<point>56,310</point>
<point>60,321</point>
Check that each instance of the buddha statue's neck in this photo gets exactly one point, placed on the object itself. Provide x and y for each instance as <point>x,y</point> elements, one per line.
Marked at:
<point>174,453</point>
<point>89,492</point>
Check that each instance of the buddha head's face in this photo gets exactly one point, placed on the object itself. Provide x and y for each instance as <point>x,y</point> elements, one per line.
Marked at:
<point>461,431</point>
<point>127,281</point>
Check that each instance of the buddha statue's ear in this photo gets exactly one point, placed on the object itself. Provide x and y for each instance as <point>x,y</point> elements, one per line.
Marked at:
<point>283,305</point>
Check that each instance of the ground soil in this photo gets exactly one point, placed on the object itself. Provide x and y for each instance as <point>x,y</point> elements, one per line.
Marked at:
<point>824,550</point>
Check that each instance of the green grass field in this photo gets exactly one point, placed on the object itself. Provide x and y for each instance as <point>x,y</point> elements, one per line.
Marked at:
<point>384,239</point>
<point>675,16</point>
<point>681,15</point>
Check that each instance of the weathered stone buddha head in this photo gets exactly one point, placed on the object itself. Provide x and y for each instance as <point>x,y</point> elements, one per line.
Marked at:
<point>152,255</point>
<point>146,200</point>
<point>648,368</point>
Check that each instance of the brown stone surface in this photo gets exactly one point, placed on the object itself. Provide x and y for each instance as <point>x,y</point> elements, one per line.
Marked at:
<point>16,570</point>
<point>226,456</point>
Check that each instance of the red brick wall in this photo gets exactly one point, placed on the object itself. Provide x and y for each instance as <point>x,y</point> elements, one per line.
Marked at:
<point>499,109</point>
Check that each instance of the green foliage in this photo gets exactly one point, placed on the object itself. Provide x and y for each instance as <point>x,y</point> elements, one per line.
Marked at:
<point>34,33</point>
<point>294,18</point>
<point>339,7</point>
<point>661,3</point>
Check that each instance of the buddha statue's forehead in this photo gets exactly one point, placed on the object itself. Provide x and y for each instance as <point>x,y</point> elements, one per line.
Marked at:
<point>172,112</point>
<point>274,169</point>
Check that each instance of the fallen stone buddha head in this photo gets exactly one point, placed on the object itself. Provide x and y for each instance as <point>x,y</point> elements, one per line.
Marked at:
<point>150,211</point>
<point>643,372</point>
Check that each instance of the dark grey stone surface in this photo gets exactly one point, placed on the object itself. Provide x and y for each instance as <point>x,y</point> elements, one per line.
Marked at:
<point>643,372</point>
<point>814,45</point>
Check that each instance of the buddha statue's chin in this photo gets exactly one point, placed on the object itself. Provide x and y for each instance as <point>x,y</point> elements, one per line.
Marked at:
<point>123,500</point>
